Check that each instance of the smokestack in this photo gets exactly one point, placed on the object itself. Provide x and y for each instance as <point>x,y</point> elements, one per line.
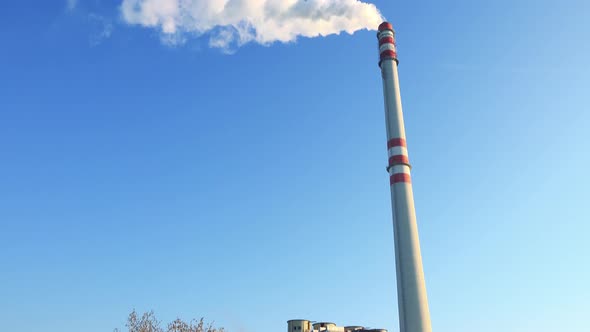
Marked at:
<point>414,315</point>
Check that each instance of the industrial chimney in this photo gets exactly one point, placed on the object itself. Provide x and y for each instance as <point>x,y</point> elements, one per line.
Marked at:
<point>411,288</point>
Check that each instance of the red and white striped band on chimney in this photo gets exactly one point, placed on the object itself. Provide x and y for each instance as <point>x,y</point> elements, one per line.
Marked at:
<point>386,37</point>
<point>397,152</point>
<point>399,173</point>
<point>399,163</point>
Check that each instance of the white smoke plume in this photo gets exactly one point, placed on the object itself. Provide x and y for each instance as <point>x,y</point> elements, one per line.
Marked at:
<point>237,22</point>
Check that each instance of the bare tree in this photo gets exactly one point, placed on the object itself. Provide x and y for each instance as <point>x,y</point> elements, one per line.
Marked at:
<point>193,326</point>
<point>149,323</point>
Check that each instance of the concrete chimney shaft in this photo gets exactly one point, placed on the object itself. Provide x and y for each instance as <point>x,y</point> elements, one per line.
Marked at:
<point>414,315</point>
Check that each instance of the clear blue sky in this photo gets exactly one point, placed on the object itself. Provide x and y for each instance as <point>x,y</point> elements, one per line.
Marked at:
<point>251,188</point>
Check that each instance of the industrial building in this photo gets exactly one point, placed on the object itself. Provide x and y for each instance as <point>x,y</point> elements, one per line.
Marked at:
<point>303,325</point>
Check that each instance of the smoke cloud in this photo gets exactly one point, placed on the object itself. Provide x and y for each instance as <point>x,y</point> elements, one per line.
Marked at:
<point>231,23</point>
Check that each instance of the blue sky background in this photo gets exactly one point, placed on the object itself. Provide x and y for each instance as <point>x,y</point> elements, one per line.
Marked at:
<point>251,188</point>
